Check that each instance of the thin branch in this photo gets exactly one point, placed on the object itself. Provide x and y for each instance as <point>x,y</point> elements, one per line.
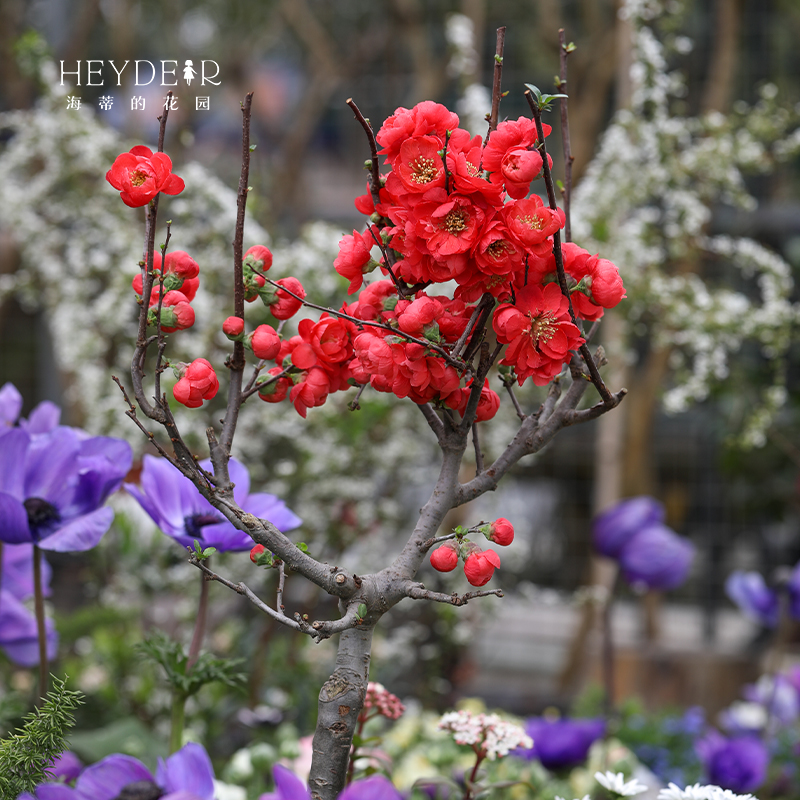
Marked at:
<point>486,299</point>
<point>361,323</point>
<point>510,389</point>
<point>162,342</point>
<point>237,363</point>
<point>281,581</point>
<point>597,380</point>
<point>497,79</point>
<point>374,173</point>
<point>353,405</point>
<point>561,85</point>
<point>416,591</point>
<point>477,445</point>
<point>431,417</point>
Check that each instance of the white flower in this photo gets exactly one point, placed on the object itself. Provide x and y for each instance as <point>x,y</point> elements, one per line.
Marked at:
<point>615,782</point>
<point>699,792</point>
<point>585,797</point>
<point>494,736</point>
<point>226,791</point>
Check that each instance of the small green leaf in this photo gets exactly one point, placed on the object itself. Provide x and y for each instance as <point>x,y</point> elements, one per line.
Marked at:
<point>498,59</point>
<point>302,546</point>
<point>209,551</point>
<point>362,610</point>
<point>253,147</point>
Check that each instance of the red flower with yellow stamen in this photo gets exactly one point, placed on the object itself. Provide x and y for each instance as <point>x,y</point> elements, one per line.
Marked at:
<point>141,174</point>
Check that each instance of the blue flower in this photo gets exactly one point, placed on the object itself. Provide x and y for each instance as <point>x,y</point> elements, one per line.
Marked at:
<point>175,505</point>
<point>561,743</point>
<point>615,527</point>
<point>739,764</point>
<point>53,486</point>
<point>185,775</point>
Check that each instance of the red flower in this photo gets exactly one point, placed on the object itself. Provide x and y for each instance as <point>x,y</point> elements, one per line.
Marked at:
<point>480,566</point>
<point>141,174</point>
<point>530,221</point>
<point>311,392</point>
<point>181,273</point>
<point>354,258</point>
<point>501,532</point>
<point>445,558</point>
<point>329,338</point>
<point>540,332</point>
<point>488,404</point>
<point>287,306</point>
<point>418,165</point>
<point>607,288</point>
<point>265,342</point>
<point>426,118</point>
<point>176,313</point>
<point>199,382</point>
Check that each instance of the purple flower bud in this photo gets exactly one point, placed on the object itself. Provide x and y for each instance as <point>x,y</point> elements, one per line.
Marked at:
<point>756,600</point>
<point>656,557</point>
<point>738,764</point>
<point>616,526</point>
<point>561,743</point>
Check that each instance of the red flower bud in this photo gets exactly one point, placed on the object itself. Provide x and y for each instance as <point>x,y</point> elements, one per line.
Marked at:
<point>501,532</point>
<point>480,566</point>
<point>276,391</point>
<point>286,305</point>
<point>261,257</point>
<point>256,552</point>
<point>233,327</point>
<point>265,342</point>
<point>445,558</point>
<point>199,382</point>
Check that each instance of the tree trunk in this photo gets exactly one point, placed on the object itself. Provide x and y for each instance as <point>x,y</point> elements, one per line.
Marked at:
<point>340,701</point>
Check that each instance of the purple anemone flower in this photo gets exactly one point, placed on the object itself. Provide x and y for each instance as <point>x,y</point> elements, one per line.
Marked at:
<point>657,558</point>
<point>615,527</point>
<point>185,775</point>
<point>757,601</point>
<point>65,767</point>
<point>18,633</point>
<point>561,743</point>
<point>739,764</point>
<point>42,419</point>
<point>289,787</point>
<point>53,486</point>
<point>175,505</point>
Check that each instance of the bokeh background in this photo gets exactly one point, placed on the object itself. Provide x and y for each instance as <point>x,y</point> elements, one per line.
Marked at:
<point>66,259</point>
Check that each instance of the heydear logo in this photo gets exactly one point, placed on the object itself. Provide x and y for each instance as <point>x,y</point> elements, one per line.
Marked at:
<point>144,72</point>
<point>165,74</point>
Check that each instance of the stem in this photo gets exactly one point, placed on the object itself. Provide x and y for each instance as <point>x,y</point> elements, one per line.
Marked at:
<point>176,721</point>
<point>568,157</point>
<point>40,629</point>
<point>470,782</point>
<point>497,77</point>
<point>200,623</point>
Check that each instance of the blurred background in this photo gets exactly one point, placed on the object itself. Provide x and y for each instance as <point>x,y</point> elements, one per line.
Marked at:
<point>724,458</point>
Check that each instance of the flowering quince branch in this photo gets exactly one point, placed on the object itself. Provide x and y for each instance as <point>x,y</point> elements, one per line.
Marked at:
<point>450,208</point>
<point>564,50</point>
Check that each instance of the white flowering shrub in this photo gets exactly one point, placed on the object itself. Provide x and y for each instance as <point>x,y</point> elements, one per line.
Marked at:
<point>647,200</point>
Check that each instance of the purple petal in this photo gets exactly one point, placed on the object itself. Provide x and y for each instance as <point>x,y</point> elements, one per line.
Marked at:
<point>267,506</point>
<point>53,791</point>
<point>376,787</point>
<point>12,454</point>
<point>50,466</point>
<point>222,535</point>
<point>106,779</point>
<point>749,591</point>
<point>190,770</point>
<point>10,405</point>
<point>67,766</point>
<point>289,786</point>
<point>793,588</point>
<point>563,742</point>
<point>240,477</point>
<point>173,496</point>
<point>42,419</point>
<point>657,557</point>
<point>14,527</point>
<point>82,533</point>
<point>615,527</point>
<point>739,764</point>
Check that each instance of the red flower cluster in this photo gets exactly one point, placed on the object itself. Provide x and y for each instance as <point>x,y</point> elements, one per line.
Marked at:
<point>180,287</point>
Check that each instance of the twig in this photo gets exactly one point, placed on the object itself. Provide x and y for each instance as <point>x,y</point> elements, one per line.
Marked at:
<point>416,591</point>
<point>497,78</point>
<point>477,445</point>
<point>237,362</point>
<point>353,404</point>
<point>279,595</point>
<point>374,173</point>
<point>486,299</point>
<point>565,142</point>
<point>510,389</point>
<point>434,423</point>
<point>597,380</point>
<point>159,332</point>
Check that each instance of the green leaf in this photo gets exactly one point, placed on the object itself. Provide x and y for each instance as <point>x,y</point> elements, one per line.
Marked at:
<point>302,546</point>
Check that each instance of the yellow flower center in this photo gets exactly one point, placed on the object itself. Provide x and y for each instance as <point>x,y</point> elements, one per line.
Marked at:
<point>543,327</point>
<point>423,170</point>
<point>455,221</point>
<point>534,222</point>
<point>138,177</point>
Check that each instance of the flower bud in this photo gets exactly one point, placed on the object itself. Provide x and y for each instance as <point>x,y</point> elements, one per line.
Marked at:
<point>256,552</point>
<point>480,566</point>
<point>501,532</point>
<point>265,342</point>
<point>233,328</point>
<point>445,558</point>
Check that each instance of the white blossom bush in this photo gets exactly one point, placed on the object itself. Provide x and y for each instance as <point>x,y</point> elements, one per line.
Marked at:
<point>647,200</point>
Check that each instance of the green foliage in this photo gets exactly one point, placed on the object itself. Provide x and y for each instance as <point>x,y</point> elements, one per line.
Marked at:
<point>26,754</point>
<point>207,669</point>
